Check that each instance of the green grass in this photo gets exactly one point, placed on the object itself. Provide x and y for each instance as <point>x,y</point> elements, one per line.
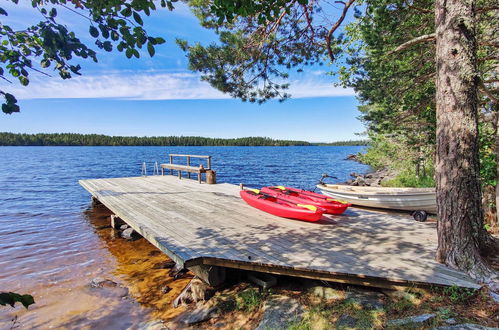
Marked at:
<point>406,179</point>
<point>250,299</point>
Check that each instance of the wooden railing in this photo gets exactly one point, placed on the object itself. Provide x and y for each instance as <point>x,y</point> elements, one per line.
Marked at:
<point>210,174</point>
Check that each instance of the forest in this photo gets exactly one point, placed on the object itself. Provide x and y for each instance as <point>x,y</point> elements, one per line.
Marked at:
<point>72,139</point>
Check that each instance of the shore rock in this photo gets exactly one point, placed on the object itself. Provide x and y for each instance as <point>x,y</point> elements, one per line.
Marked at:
<point>151,325</point>
<point>107,288</point>
<point>327,293</point>
<point>353,157</point>
<point>367,298</point>
<point>494,296</point>
<point>279,311</point>
<point>418,319</point>
<point>100,282</point>
<point>465,326</point>
<point>195,291</point>
<point>129,234</point>
<point>373,179</point>
<point>198,315</point>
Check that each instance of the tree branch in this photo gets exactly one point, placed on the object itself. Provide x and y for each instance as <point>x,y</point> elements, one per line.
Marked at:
<point>488,93</point>
<point>415,41</point>
<point>335,26</point>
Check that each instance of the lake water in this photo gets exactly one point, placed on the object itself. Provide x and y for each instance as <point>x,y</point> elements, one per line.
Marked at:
<point>53,243</point>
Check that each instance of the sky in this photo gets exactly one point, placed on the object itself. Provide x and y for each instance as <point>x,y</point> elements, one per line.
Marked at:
<point>159,96</point>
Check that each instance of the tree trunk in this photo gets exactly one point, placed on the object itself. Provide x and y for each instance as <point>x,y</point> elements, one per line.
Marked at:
<point>496,108</point>
<point>460,223</point>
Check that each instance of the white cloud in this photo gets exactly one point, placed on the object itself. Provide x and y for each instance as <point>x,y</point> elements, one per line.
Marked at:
<point>152,86</point>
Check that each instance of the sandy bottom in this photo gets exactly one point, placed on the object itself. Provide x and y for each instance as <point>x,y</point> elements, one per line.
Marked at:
<point>64,298</point>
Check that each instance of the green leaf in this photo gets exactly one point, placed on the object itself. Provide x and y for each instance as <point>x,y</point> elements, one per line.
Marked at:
<point>93,31</point>
<point>53,12</point>
<point>137,18</point>
<point>150,49</point>
<point>159,40</point>
<point>107,46</point>
<point>3,12</point>
<point>126,12</point>
<point>129,52</point>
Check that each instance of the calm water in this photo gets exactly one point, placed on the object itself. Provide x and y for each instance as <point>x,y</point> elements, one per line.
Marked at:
<point>52,243</point>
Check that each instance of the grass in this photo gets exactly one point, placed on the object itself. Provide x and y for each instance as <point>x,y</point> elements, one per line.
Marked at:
<point>250,299</point>
<point>409,179</point>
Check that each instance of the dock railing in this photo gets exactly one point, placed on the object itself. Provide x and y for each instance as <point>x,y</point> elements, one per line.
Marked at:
<point>210,174</point>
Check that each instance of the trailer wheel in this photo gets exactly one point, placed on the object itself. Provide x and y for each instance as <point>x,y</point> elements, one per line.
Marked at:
<point>420,216</point>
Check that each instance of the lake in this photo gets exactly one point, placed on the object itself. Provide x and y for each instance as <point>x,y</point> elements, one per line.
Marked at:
<point>53,243</point>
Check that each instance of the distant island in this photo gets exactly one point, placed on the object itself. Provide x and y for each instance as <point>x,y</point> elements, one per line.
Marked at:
<point>73,139</point>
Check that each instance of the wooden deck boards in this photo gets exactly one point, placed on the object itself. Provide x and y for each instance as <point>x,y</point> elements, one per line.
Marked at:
<point>209,224</point>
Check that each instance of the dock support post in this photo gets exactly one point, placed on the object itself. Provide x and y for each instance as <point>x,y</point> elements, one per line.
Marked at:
<point>211,275</point>
<point>116,221</point>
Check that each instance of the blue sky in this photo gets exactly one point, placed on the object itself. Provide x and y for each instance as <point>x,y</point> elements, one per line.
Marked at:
<point>159,96</point>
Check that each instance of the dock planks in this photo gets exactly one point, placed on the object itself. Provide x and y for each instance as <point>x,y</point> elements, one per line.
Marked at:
<point>210,225</point>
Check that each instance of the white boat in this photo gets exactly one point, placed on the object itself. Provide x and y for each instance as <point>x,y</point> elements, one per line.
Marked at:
<point>409,199</point>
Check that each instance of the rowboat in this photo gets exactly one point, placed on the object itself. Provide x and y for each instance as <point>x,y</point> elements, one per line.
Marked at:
<point>295,195</point>
<point>280,207</point>
<point>408,199</point>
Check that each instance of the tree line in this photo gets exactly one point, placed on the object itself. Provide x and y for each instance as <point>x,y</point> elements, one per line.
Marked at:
<point>73,139</point>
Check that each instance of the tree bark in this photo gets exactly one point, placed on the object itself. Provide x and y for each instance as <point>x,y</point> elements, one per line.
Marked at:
<point>460,223</point>
<point>497,165</point>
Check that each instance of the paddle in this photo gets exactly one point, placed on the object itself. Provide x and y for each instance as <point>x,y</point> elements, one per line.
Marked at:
<point>309,207</point>
<point>304,192</point>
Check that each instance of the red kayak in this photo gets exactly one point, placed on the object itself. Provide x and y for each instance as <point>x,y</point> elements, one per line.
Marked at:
<point>281,208</point>
<point>294,195</point>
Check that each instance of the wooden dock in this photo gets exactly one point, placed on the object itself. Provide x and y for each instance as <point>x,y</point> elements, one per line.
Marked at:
<point>200,224</point>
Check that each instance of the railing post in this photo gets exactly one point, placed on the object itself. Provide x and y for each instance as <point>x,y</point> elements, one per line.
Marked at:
<point>171,162</point>
<point>209,162</point>
<point>189,164</point>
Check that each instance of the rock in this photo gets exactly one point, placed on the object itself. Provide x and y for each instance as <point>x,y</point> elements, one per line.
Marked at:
<point>464,326</point>
<point>129,234</point>
<point>366,298</point>
<point>327,293</point>
<point>494,296</point>
<point>352,157</point>
<point>346,321</point>
<point>177,272</point>
<point>151,325</point>
<point>423,318</point>
<point>166,289</point>
<point>123,227</point>
<point>279,311</point>
<point>354,174</point>
<point>451,321</point>
<point>164,265</point>
<point>107,288</point>
<point>198,315</point>
<point>100,282</point>
<point>360,181</point>
<point>195,291</point>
